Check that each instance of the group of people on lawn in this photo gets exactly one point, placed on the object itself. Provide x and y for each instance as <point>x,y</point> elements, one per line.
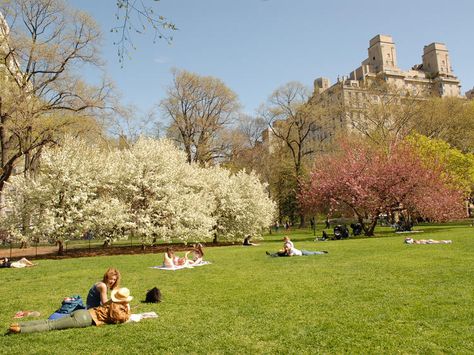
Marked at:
<point>171,260</point>
<point>100,309</point>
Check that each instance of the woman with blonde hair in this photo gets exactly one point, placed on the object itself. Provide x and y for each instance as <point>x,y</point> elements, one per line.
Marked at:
<point>98,292</point>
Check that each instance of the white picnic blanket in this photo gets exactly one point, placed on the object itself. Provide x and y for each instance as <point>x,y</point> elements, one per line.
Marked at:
<point>162,267</point>
<point>137,317</point>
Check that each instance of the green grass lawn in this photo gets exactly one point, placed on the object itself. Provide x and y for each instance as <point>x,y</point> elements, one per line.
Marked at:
<point>369,295</point>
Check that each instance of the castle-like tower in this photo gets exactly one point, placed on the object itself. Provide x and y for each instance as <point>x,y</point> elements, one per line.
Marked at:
<point>433,77</point>
<point>382,54</point>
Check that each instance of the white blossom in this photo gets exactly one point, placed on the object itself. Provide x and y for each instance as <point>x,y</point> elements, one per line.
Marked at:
<point>148,191</point>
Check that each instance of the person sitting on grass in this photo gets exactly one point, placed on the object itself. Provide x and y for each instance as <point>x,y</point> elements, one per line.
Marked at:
<point>247,241</point>
<point>426,241</point>
<point>171,260</point>
<point>287,245</point>
<point>23,262</point>
<point>98,292</point>
<point>290,250</point>
<point>198,255</point>
<point>115,311</point>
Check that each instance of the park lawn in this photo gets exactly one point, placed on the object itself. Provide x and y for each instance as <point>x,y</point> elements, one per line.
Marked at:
<point>368,295</point>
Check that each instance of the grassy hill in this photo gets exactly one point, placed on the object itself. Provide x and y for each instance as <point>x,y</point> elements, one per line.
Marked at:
<point>372,295</point>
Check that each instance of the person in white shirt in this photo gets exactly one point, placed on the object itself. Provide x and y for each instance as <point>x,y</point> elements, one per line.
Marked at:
<point>290,250</point>
<point>426,241</point>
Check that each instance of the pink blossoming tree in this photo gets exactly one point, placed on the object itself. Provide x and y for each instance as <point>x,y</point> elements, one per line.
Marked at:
<point>367,181</point>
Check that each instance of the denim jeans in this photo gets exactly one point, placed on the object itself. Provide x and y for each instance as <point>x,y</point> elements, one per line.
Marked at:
<point>77,319</point>
<point>307,252</point>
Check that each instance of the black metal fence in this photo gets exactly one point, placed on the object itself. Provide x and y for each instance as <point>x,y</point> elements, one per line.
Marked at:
<point>12,249</point>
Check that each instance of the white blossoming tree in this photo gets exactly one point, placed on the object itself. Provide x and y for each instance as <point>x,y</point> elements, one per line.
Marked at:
<point>243,207</point>
<point>61,199</point>
<point>148,190</point>
<point>22,214</point>
<point>165,195</point>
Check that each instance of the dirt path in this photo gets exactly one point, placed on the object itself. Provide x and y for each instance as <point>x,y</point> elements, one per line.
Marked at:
<point>15,253</point>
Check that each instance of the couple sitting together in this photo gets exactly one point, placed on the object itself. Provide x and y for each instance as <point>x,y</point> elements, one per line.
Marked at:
<point>100,310</point>
<point>172,261</point>
<point>290,250</point>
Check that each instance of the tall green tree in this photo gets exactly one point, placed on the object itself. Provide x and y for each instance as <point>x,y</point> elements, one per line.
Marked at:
<point>449,119</point>
<point>43,43</point>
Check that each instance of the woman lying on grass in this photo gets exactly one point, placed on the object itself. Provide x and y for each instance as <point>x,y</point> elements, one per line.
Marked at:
<point>23,262</point>
<point>290,250</point>
<point>426,241</point>
<point>171,260</point>
<point>115,311</point>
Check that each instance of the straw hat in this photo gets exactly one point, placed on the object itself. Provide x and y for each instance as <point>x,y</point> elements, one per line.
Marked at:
<point>121,295</point>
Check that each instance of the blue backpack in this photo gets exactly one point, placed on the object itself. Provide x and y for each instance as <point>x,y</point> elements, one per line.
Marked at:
<point>69,305</point>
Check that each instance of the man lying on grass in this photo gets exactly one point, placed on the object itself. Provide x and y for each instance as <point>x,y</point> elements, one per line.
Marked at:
<point>290,250</point>
<point>115,311</point>
<point>426,241</point>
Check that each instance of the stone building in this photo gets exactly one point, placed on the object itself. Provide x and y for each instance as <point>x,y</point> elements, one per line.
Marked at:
<point>470,94</point>
<point>433,77</point>
<point>9,65</point>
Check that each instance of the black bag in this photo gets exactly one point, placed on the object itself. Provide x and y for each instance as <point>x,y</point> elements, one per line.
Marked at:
<point>153,295</point>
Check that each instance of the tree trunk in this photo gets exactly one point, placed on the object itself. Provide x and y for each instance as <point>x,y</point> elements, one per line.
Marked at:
<point>368,229</point>
<point>3,213</point>
<point>60,244</point>
<point>302,220</point>
<point>3,157</point>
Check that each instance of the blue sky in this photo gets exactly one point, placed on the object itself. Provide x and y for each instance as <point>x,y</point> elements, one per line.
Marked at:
<point>255,46</point>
